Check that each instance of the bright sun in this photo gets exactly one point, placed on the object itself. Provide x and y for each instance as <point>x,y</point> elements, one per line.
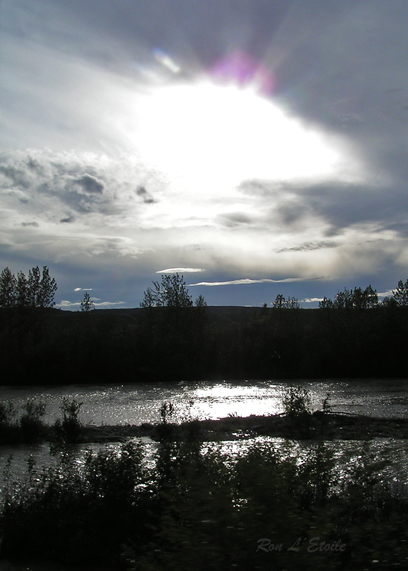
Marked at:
<point>205,131</point>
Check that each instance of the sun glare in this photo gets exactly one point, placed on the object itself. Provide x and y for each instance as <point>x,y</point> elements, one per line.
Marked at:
<point>226,134</point>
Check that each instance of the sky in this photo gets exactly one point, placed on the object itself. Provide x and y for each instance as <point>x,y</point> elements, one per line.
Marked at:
<point>256,147</point>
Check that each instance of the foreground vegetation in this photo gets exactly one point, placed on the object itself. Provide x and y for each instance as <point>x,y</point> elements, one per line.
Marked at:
<point>195,506</point>
<point>26,425</point>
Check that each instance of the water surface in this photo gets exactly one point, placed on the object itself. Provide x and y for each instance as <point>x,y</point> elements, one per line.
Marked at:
<point>137,403</point>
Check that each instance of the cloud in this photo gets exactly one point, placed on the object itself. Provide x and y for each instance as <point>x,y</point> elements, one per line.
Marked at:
<point>33,224</point>
<point>235,219</point>
<point>65,304</point>
<point>145,196</point>
<point>79,192</point>
<point>248,281</point>
<point>180,271</point>
<point>388,293</point>
<point>308,246</point>
<point>90,184</point>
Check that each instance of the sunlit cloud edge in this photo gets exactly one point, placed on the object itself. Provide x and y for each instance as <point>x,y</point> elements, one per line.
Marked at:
<point>248,281</point>
<point>67,304</point>
<point>180,270</point>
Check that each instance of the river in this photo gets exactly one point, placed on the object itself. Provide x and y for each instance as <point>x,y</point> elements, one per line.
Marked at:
<point>138,403</point>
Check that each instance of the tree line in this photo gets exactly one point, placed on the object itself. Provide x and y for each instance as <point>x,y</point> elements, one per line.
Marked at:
<point>172,337</point>
<point>37,290</point>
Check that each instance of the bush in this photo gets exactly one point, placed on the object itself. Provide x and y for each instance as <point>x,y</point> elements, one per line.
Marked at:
<point>195,508</point>
<point>32,427</point>
<point>296,402</point>
<point>78,514</point>
<point>70,428</point>
<point>8,427</point>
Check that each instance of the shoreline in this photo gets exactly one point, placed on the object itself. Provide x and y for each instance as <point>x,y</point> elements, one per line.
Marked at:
<point>320,425</point>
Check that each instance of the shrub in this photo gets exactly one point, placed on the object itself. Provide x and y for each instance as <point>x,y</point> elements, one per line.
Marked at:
<point>8,427</point>
<point>296,402</point>
<point>32,426</point>
<point>198,509</point>
<point>69,429</point>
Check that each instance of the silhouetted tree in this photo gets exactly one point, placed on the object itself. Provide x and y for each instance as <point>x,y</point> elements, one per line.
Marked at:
<point>8,288</point>
<point>326,303</point>
<point>200,301</point>
<point>22,290</point>
<point>86,303</point>
<point>285,303</point>
<point>400,295</point>
<point>36,291</point>
<point>364,299</point>
<point>170,326</point>
<point>171,292</point>
<point>352,299</point>
<point>23,297</point>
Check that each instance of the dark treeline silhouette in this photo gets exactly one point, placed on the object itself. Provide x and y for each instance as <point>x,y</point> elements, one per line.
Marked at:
<point>171,338</point>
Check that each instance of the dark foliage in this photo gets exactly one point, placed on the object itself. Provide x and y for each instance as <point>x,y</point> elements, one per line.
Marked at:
<point>195,508</point>
<point>169,338</point>
<point>204,343</point>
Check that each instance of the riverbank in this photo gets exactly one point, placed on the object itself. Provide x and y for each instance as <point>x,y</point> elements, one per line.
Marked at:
<point>195,504</point>
<point>318,425</point>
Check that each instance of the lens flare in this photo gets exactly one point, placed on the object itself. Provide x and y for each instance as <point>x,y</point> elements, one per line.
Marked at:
<point>239,68</point>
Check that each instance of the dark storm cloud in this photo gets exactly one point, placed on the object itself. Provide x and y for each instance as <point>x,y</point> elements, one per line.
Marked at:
<point>67,220</point>
<point>15,176</point>
<point>235,219</point>
<point>90,184</point>
<point>60,178</point>
<point>33,224</point>
<point>144,195</point>
<point>292,212</point>
<point>345,205</point>
<point>309,246</point>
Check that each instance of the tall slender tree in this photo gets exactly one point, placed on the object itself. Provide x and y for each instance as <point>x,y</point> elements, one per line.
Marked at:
<point>400,295</point>
<point>8,288</point>
<point>86,303</point>
<point>35,291</point>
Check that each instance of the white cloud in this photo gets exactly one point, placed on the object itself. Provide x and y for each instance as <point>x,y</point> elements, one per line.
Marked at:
<point>65,304</point>
<point>388,293</point>
<point>248,281</point>
<point>134,179</point>
<point>180,271</point>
